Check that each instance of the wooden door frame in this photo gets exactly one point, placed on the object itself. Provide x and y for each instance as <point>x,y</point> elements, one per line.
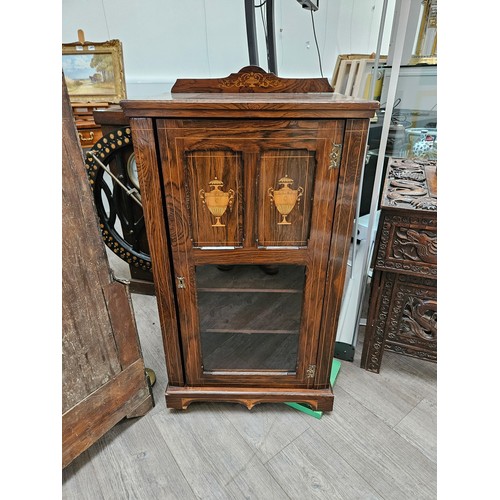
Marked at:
<point>175,135</point>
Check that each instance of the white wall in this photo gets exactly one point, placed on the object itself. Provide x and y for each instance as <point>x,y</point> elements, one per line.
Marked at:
<point>165,39</point>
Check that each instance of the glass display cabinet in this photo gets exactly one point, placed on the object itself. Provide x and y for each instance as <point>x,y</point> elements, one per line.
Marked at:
<point>405,128</point>
<point>249,186</point>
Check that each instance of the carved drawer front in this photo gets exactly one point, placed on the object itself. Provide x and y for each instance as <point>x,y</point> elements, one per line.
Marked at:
<point>407,244</point>
<point>286,183</point>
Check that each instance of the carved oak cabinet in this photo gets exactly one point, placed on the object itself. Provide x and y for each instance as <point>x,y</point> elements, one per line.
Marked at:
<point>249,200</point>
<point>402,315</point>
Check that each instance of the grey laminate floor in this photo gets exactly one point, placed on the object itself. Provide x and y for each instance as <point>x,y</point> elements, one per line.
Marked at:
<point>379,442</point>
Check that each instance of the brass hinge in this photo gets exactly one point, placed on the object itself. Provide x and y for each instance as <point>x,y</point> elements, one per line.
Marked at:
<point>311,371</point>
<point>335,155</point>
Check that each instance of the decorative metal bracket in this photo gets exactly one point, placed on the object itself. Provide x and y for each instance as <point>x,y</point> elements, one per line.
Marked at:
<point>335,156</point>
<point>311,371</point>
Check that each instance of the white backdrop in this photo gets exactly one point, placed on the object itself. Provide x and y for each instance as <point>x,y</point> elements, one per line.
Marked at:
<point>164,39</point>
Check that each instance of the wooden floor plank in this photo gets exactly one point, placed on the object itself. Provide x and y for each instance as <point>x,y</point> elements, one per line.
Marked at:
<point>205,445</point>
<point>387,461</point>
<point>149,331</point>
<point>267,428</point>
<point>255,482</point>
<point>391,394</point>
<point>309,468</point>
<point>77,478</point>
<point>419,427</point>
<point>133,461</point>
<point>378,443</point>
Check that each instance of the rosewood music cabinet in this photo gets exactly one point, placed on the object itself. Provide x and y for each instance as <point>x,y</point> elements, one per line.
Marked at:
<point>402,315</point>
<point>249,197</point>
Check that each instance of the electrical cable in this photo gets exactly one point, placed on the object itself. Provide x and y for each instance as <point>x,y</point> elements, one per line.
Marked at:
<point>262,17</point>
<point>316,42</point>
<point>106,18</point>
<point>264,26</point>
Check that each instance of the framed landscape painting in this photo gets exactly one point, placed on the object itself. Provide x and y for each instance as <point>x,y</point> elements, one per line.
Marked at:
<point>94,71</point>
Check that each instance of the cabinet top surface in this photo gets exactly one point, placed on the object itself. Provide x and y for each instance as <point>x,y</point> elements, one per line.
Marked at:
<point>321,105</point>
<point>410,184</point>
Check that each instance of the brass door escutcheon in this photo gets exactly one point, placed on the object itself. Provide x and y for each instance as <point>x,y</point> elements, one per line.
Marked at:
<point>335,154</point>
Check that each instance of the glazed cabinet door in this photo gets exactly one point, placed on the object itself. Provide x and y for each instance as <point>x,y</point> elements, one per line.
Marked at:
<point>250,207</point>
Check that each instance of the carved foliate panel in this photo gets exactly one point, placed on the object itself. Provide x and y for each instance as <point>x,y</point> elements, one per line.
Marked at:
<point>405,319</point>
<point>412,320</point>
<point>373,348</point>
<point>411,184</point>
<point>407,234</point>
<point>407,244</point>
<point>286,183</point>
<point>214,197</point>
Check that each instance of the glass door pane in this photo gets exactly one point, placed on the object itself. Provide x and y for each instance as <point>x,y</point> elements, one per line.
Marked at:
<point>250,316</point>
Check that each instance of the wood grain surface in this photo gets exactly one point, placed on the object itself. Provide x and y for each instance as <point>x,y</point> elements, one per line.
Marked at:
<point>380,438</point>
<point>102,368</point>
<point>251,79</point>
<point>248,150</point>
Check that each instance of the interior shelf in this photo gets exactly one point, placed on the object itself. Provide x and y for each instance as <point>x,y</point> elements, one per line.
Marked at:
<point>250,279</point>
<point>249,317</point>
<point>246,313</point>
<point>226,351</point>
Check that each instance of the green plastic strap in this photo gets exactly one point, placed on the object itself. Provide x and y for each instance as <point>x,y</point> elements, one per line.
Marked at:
<point>335,371</point>
<point>304,408</point>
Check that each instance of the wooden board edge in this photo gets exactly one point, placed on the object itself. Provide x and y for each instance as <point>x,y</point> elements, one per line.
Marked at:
<point>180,398</point>
<point>90,419</point>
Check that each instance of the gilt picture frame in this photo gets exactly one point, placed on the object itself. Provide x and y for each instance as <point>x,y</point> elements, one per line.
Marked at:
<point>94,71</point>
<point>425,51</point>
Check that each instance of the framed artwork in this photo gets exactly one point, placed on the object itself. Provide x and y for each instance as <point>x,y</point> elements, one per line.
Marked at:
<point>353,74</point>
<point>339,81</point>
<point>364,75</point>
<point>426,43</point>
<point>94,71</point>
<point>346,76</point>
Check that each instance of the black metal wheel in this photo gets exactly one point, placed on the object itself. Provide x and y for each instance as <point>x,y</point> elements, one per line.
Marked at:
<point>113,177</point>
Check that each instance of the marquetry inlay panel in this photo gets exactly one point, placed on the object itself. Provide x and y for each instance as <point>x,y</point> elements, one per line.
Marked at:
<point>214,197</point>
<point>286,183</point>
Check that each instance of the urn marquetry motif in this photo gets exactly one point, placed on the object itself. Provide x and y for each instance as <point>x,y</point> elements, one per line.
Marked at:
<point>217,201</point>
<point>285,198</point>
